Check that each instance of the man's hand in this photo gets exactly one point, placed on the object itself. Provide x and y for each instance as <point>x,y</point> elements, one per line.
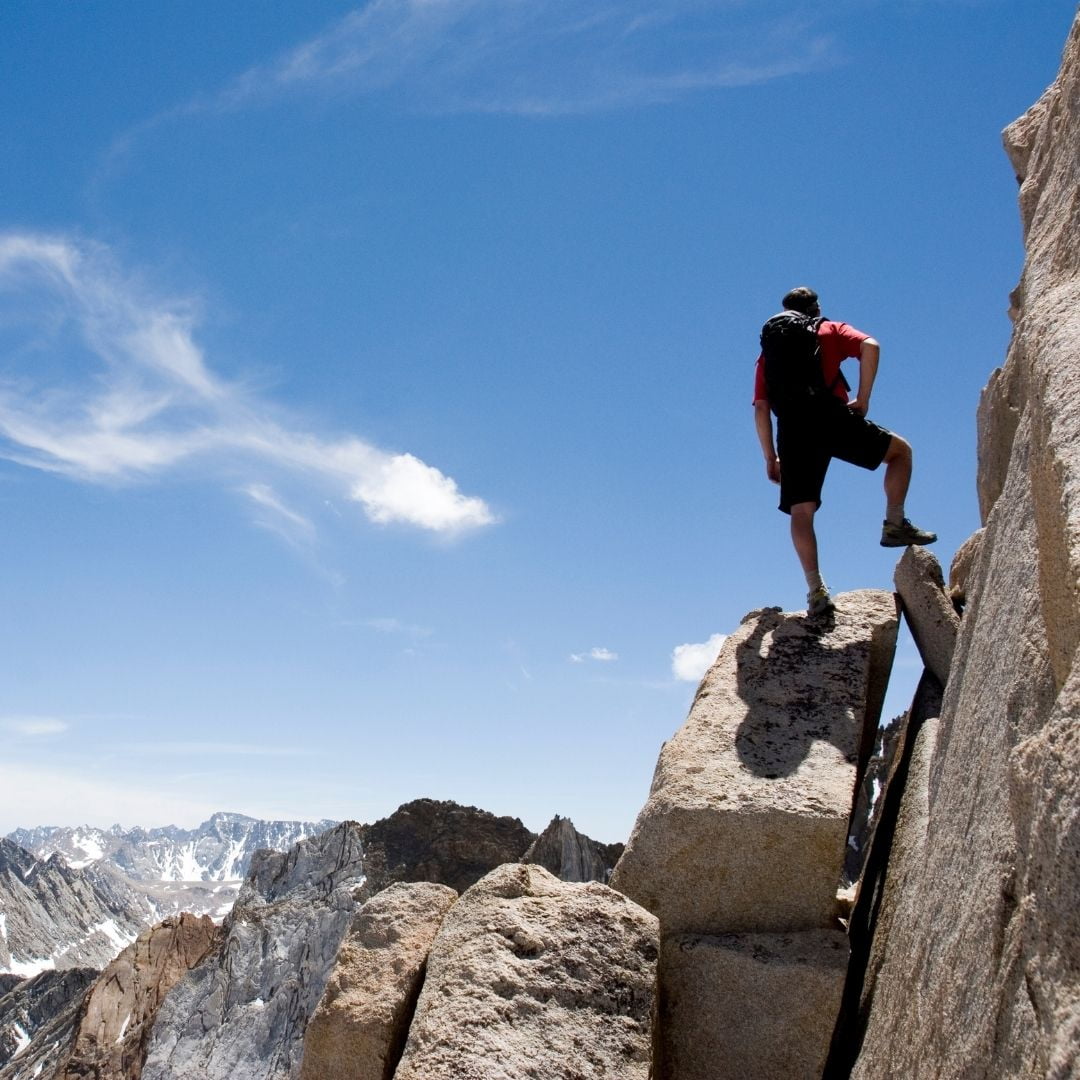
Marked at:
<point>858,407</point>
<point>772,469</point>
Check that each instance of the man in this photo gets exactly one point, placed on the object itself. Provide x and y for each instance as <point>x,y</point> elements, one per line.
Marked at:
<point>819,423</point>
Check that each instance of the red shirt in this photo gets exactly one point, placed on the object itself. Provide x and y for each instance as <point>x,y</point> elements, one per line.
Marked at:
<point>839,342</point>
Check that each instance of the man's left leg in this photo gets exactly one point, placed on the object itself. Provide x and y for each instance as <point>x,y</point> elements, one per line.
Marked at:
<point>896,530</point>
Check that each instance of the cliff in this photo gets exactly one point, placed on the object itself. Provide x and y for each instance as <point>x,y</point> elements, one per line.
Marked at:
<point>975,965</point>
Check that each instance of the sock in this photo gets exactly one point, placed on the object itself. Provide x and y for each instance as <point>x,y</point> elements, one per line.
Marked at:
<point>813,580</point>
<point>894,513</point>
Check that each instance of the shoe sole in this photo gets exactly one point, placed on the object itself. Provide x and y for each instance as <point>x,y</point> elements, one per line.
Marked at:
<point>907,543</point>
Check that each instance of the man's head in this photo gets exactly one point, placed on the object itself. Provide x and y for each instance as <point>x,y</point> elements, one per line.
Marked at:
<point>802,299</point>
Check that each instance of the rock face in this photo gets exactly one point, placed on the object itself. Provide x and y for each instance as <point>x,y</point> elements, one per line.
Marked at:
<point>979,968</point>
<point>530,976</point>
<point>54,916</point>
<point>746,822</point>
<point>242,1012</point>
<point>358,1031</point>
<point>570,855</point>
<point>426,840</point>
<point>120,1008</point>
<point>37,1022</point>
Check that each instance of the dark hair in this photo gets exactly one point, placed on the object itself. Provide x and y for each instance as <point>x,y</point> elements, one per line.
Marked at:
<point>801,299</point>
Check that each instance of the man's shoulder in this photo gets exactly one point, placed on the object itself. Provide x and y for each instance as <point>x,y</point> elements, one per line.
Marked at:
<point>837,328</point>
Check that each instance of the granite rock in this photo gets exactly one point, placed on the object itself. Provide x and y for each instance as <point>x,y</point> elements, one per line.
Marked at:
<point>750,1006</point>
<point>962,567</point>
<point>746,823</point>
<point>980,961</point>
<point>928,609</point>
<point>531,977</point>
<point>358,1031</point>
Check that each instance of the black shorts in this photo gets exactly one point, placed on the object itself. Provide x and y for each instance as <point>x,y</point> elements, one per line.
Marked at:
<point>807,442</point>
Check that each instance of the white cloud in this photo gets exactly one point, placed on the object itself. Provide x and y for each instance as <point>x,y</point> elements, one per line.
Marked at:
<point>601,654</point>
<point>132,395</point>
<point>545,56</point>
<point>690,662</point>
<point>34,726</point>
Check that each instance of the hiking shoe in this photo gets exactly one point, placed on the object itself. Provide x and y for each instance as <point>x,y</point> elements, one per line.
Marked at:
<point>904,535</point>
<point>818,601</point>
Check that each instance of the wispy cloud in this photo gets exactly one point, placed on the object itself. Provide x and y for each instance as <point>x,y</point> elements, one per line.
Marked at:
<point>690,662</point>
<point>540,57</point>
<point>274,515</point>
<point>33,726</point>
<point>107,383</point>
<point>601,654</point>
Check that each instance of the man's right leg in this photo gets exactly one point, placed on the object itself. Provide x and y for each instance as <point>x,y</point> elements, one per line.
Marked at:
<point>804,462</point>
<point>804,539</point>
<point>803,536</point>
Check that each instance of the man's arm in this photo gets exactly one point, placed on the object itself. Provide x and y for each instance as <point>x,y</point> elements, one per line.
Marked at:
<point>869,354</point>
<point>763,423</point>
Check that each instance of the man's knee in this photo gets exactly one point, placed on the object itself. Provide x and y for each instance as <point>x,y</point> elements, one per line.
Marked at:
<point>803,513</point>
<point>899,450</point>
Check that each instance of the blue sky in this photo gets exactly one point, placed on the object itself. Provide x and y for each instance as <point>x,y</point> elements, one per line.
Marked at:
<point>375,381</point>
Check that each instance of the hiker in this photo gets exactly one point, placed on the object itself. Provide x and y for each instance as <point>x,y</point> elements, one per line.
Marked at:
<point>798,378</point>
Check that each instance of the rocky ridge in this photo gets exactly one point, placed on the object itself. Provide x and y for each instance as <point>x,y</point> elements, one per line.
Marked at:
<point>52,916</point>
<point>243,1011</point>
<point>120,1008</point>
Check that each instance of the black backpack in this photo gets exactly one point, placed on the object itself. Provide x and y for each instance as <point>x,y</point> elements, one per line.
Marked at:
<point>792,352</point>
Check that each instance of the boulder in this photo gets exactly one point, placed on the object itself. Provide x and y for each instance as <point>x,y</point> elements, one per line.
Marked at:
<point>531,977</point>
<point>928,609</point>
<point>746,823</point>
<point>571,855</point>
<point>242,1012</point>
<point>750,1006</point>
<point>358,1031</point>
<point>121,1006</point>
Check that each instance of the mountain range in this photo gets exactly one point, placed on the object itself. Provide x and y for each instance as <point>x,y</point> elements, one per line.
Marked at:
<point>77,896</point>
